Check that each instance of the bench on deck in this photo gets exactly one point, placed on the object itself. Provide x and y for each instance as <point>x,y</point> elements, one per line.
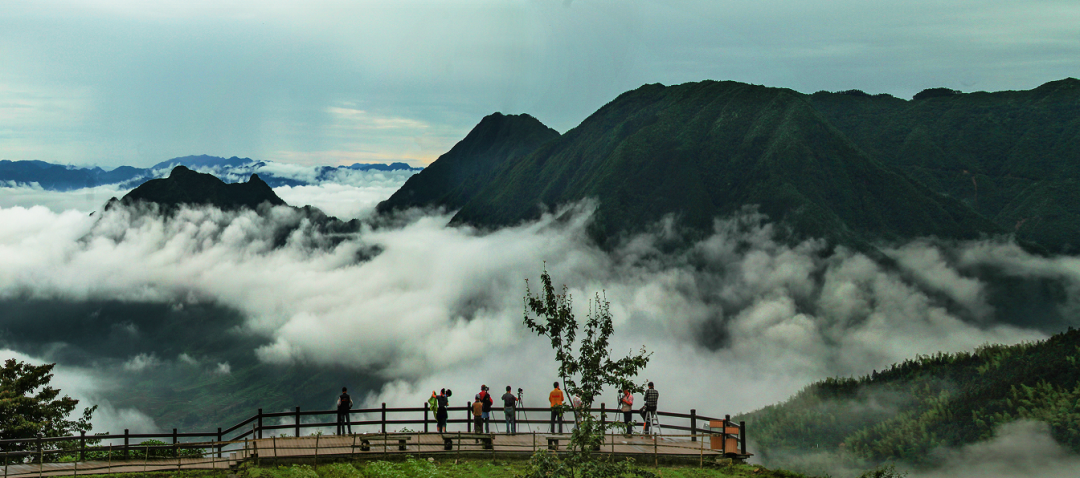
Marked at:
<point>553,442</point>
<point>485,439</point>
<point>384,439</point>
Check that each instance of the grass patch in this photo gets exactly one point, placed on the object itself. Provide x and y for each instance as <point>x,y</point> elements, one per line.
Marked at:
<point>448,468</point>
<point>463,468</point>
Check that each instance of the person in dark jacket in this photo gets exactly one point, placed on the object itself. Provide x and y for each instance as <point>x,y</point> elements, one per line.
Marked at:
<point>651,396</point>
<point>344,404</point>
<point>441,415</point>
<point>509,411</point>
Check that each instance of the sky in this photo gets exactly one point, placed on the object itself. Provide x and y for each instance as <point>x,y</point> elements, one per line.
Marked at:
<point>123,82</point>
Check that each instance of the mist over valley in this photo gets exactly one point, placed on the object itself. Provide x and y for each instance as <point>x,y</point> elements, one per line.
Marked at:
<point>755,240</point>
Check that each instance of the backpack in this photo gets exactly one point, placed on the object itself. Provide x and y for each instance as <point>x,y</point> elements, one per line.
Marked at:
<point>433,404</point>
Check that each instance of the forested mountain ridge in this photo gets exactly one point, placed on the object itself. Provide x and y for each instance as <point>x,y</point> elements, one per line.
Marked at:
<point>908,410</point>
<point>704,150</point>
<point>850,167</point>
<point>1013,156</point>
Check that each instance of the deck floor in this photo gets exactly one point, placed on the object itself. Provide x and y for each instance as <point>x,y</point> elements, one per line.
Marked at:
<point>332,446</point>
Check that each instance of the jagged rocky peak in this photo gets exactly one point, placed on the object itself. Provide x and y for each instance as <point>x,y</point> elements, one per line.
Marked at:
<point>184,186</point>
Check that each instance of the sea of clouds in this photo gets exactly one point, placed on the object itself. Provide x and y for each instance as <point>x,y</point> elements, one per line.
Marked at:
<point>737,321</point>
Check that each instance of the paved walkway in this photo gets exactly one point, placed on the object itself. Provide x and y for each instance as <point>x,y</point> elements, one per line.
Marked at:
<point>316,448</point>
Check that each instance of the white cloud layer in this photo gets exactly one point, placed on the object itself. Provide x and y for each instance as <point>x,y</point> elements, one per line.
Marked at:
<point>344,201</point>
<point>344,193</point>
<point>1018,449</point>
<point>442,306</point>
<point>86,199</point>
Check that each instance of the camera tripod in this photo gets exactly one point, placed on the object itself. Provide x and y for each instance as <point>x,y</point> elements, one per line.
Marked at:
<point>521,403</point>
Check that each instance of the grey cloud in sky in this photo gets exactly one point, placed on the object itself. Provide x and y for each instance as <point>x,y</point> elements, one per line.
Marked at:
<point>116,82</point>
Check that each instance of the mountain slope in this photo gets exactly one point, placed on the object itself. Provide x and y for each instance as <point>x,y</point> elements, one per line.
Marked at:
<point>1013,156</point>
<point>905,412</point>
<point>455,177</point>
<point>704,150</point>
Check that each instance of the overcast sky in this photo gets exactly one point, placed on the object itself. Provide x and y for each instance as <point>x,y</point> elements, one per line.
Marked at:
<point>114,82</point>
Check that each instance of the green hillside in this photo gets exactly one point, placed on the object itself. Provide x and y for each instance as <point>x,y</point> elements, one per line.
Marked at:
<point>906,411</point>
<point>851,167</point>
<point>1013,156</point>
<point>704,150</point>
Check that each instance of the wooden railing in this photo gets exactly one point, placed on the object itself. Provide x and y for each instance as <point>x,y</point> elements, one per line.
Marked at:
<point>39,448</point>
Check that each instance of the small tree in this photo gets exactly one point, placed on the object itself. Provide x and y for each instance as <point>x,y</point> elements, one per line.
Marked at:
<point>584,373</point>
<point>29,406</point>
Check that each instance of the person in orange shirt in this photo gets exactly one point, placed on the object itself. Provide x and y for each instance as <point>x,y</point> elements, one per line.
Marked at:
<point>556,400</point>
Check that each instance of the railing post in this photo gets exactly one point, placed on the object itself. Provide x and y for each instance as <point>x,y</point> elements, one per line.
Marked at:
<point>468,417</point>
<point>298,421</point>
<point>219,446</point>
<point>384,417</point>
<point>693,424</point>
<point>260,424</point>
<point>603,417</point>
<point>176,450</point>
<point>125,443</point>
<point>727,418</point>
<point>425,419</point>
<point>82,445</point>
<point>742,437</point>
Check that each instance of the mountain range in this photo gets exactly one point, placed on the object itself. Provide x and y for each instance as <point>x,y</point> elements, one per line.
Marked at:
<point>853,168</point>
<point>59,177</point>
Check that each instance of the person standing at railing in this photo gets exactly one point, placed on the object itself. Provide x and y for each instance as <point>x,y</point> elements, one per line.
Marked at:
<point>555,398</point>
<point>478,417</point>
<point>626,405</point>
<point>344,404</point>
<point>442,414</point>
<point>651,397</point>
<point>510,411</point>
<point>575,402</point>
<point>484,397</point>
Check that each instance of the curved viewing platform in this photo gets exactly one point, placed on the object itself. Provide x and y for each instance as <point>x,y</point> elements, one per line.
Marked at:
<point>382,433</point>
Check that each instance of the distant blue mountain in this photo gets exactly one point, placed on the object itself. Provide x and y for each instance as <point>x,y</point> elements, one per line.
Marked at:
<point>203,161</point>
<point>60,177</point>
